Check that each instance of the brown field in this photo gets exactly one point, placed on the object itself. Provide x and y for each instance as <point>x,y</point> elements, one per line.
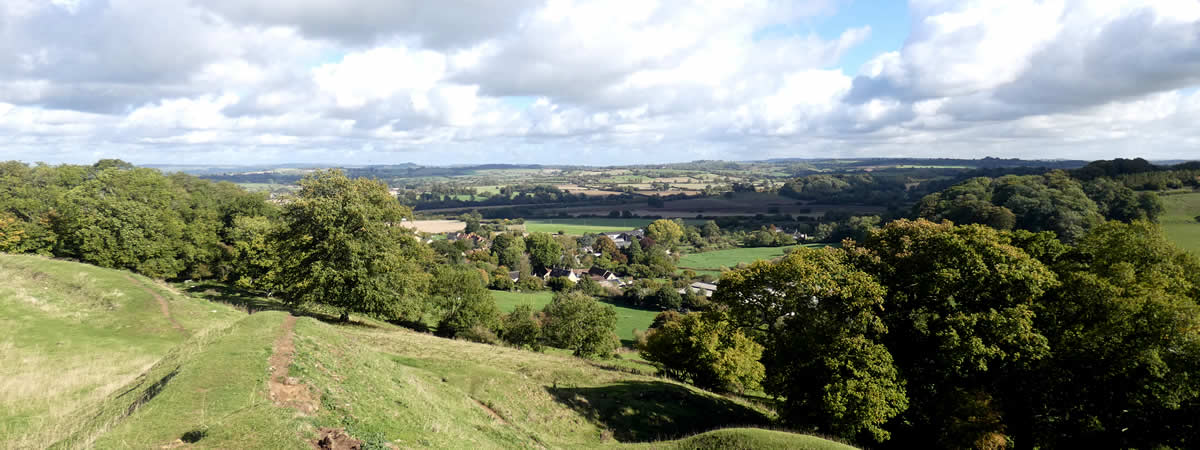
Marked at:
<point>574,189</point>
<point>742,204</point>
<point>435,226</point>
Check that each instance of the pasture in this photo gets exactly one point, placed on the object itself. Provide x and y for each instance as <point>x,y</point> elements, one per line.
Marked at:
<point>1179,220</point>
<point>584,225</point>
<point>435,226</point>
<point>710,262</point>
<point>628,318</point>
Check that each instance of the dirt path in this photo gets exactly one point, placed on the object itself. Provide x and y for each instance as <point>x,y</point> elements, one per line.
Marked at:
<point>491,412</point>
<point>162,305</point>
<point>288,391</point>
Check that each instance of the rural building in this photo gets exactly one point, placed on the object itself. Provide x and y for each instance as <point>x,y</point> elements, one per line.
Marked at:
<point>554,273</point>
<point>704,288</point>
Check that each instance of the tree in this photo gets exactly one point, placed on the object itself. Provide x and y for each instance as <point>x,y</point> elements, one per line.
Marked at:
<point>665,232</point>
<point>1125,329</point>
<point>10,233</point>
<point>817,318</point>
<point>522,328</point>
<point>544,251</point>
<point>341,245</point>
<point>704,348</point>
<point>462,300</point>
<point>711,230</point>
<point>471,220</point>
<point>255,262</point>
<point>124,218</point>
<point>509,248</point>
<point>577,322</point>
<point>559,284</point>
<point>959,315</point>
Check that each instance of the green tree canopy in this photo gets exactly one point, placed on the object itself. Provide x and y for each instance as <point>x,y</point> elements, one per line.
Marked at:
<point>341,245</point>
<point>704,348</point>
<point>577,322</point>
<point>544,251</point>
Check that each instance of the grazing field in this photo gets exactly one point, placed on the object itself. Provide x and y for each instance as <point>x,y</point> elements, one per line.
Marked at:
<point>435,226</point>
<point>1179,221</point>
<point>733,205</point>
<point>714,261</point>
<point>584,225</point>
<point>628,318</point>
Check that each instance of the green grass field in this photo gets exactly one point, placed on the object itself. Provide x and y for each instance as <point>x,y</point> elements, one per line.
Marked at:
<point>712,262</point>
<point>1179,221</point>
<point>581,226</point>
<point>88,359</point>
<point>628,318</point>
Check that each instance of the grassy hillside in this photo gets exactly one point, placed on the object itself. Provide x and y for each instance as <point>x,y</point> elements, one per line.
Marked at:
<point>1179,221</point>
<point>628,318</point>
<point>97,341</point>
<point>581,226</point>
<point>71,334</point>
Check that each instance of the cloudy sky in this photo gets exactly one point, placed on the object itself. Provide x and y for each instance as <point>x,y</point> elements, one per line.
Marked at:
<point>595,81</point>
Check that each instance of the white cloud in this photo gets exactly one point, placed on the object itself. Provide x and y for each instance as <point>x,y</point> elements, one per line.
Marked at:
<point>589,81</point>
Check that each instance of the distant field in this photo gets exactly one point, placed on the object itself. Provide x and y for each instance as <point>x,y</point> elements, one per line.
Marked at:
<point>435,226</point>
<point>712,262</point>
<point>627,318</point>
<point>1179,220</point>
<point>581,226</point>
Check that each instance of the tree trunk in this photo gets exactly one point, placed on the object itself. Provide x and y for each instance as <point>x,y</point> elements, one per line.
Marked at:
<point>345,317</point>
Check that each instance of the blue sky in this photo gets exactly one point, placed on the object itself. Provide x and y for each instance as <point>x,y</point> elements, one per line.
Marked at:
<point>595,81</point>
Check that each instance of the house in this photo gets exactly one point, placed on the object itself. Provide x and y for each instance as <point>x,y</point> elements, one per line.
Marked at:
<point>599,274</point>
<point>515,275</point>
<point>704,288</point>
<point>555,273</point>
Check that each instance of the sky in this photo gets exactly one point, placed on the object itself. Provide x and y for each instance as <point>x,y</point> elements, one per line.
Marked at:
<point>595,82</point>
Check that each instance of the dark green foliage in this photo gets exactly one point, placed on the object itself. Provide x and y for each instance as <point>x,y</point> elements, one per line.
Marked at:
<point>1051,202</point>
<point>464,305</point>
<point>529,283</point>
<point>1125,329</point>
<point>589,286</point>
<point>704,348</point>
<point>508,248</point>
<point>544,251</point>
<point>114,215</point>
<point>338,246</point>
<point>559,284</point>
<point>577,322</point>
<point>522,328</point>
<point>817,317</point>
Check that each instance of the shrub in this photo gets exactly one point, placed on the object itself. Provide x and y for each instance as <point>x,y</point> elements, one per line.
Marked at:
<point>522,328</point>
<point>577,322</point>
<point>530,283</point>
<point>559,284</point>
<point>704,348</point>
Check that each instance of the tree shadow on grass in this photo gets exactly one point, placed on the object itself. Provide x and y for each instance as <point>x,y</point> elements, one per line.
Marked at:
<point>641,411</point>
<point>252,302</point>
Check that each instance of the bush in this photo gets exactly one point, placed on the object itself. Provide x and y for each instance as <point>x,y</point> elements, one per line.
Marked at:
<point>530,283</point>
<point>473,313</point>
<point>704,348</point>
<point>577,322</point>
<point>501,282</point>
<point>522,328</point>
<point>589,286</point>
<point>559,284</point>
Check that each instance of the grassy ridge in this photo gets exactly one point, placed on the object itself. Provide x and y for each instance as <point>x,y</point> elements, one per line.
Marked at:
<point>1179,220</point>
<point>71,334</point>
<point>207,385</point>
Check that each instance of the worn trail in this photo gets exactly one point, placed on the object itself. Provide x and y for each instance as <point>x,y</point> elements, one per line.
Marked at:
<point>285,390</point>
<point>162,304</point>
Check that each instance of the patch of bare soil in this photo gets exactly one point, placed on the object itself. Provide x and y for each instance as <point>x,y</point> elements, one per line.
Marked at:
<point>162,305</point>
<point>288,391</point>
<point>335,439</point>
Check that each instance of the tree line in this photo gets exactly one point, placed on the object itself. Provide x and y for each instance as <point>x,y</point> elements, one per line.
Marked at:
<point>956,336</point>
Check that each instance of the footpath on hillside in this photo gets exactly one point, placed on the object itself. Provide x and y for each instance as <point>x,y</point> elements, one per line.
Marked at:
<point>162,304</point>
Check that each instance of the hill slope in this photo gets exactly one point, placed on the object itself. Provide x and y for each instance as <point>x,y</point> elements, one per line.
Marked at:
<point>223,379</point>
